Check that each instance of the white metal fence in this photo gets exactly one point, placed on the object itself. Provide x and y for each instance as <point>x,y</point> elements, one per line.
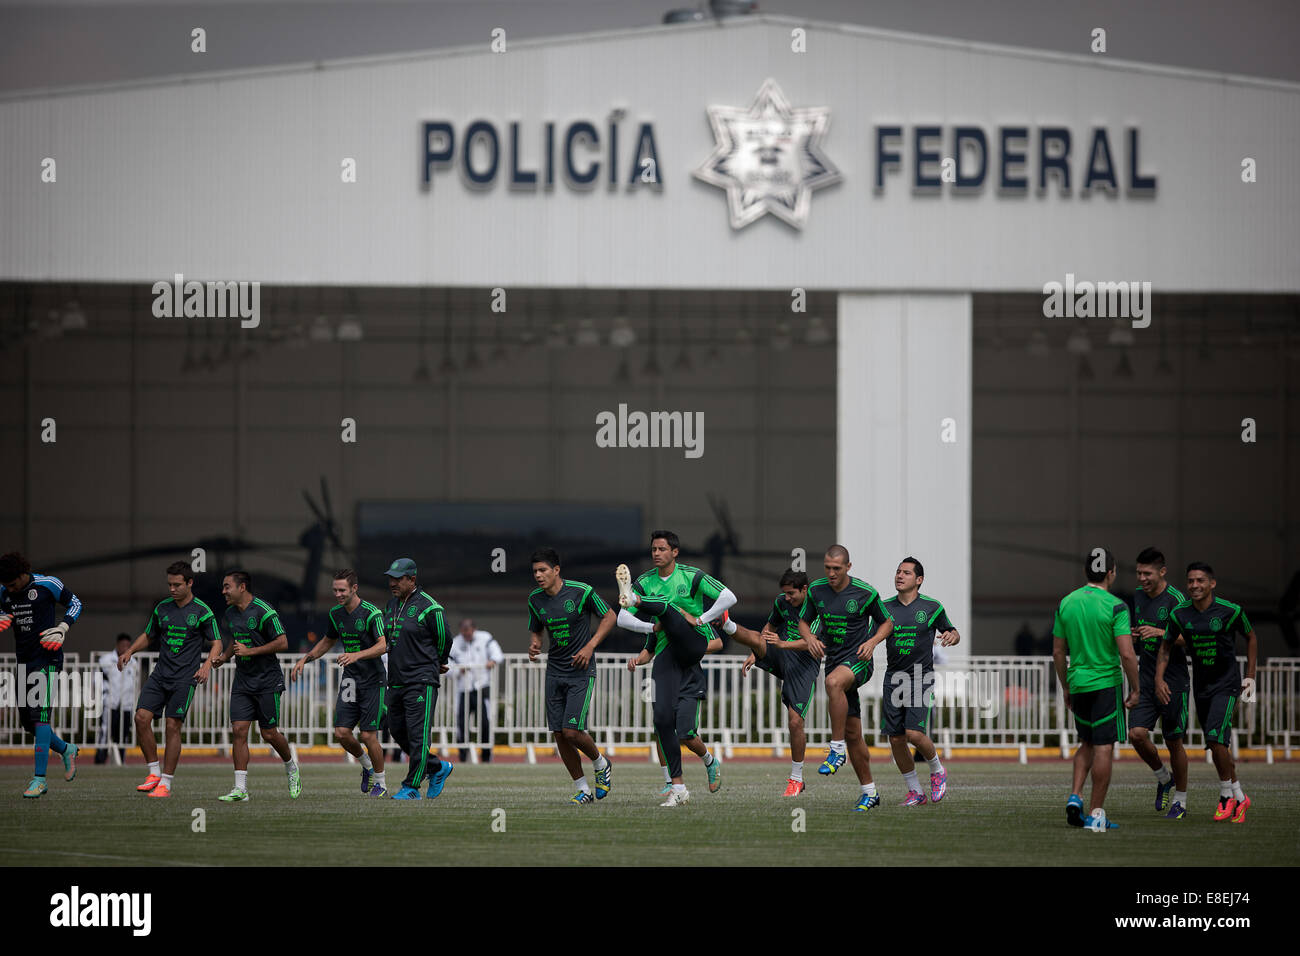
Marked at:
<point>986,702</point>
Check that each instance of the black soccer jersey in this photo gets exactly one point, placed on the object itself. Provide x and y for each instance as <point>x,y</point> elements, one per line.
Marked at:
<point>180,633</point>
<point>359,630</point>
<point>34,610</point>
<point>418,642</point>
<point>256,625</point>
<point>1154,612</point>
<point>845,616</point>
<point>915,627</point>
<point>1210,637</point>
<point>566,616</point>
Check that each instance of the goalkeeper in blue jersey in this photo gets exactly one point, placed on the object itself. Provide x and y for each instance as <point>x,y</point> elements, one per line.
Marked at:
<point>28,608</point>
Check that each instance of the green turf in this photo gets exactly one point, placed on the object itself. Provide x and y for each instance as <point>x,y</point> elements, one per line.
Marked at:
<point>993,814</point>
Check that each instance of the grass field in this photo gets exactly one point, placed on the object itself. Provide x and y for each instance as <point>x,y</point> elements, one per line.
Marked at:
<point>994,814</point>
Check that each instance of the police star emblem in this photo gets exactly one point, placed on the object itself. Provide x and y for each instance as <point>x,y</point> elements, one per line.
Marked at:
<point>768,157</point>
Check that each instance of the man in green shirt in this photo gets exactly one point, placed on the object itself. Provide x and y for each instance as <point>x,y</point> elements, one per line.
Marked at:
<point>1092,627</point>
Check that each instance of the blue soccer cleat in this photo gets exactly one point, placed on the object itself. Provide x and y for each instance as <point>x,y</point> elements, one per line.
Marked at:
<point>365,779</point>
<point>70,762</point>
<point>1099,823</point>
<point>867,802</point>
<point>1074,810</point>
<point>407,793</point>
<point>438,779</point>
<point>376,791</point>
<point>604,780</point>
<point>1164,795</point>
<point>832,763</point>
<point>582,796</point>
<point>715,774</point>
<point>1176,811</point>
<point>35,788</point>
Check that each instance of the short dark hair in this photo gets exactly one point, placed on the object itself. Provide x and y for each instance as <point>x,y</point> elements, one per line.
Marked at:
<point>549,555</point>
<point>1096,577</point>
<point>916,565</point>
<point>838,551</point>
<point>183,568</point>
<point>1152,556</point>
<point>346,574</point>
<point>241,577</point>
<point>1200,566</point>
<point>796,579</point>
<point>669,536</point>
<point>13,565</point>
<point>124,637</point>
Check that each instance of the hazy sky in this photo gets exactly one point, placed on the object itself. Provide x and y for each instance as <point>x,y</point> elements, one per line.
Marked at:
<point>56,43</point>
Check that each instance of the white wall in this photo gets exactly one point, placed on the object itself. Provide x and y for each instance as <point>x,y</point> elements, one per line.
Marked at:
<point>904,367</point>
<point>239,176</point>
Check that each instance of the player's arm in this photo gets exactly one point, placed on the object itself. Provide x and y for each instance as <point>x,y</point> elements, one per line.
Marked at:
<point>52,637</point>
<point>376,650</point>
<point>714,645</point>
<point>1162,663</point>
<point>316,653</point>
<point>1123,634</point>
<point>943,626</point>
<point>1059,648</point>
<point>722,596</point>
<point>441,639</point>
<point>139,644</point>
<point>592,602</point>
<point>534,645</point>
<point>1252,647</point>
<point>629,621</point>
<point>877,610</point>
<point>807,616</point>
<point>272,632</point>
<point>645,657</point>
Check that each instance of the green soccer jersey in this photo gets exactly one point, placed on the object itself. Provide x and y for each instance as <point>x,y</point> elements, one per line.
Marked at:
<point>685,588</point>
<point>359,630</point>
<point>181,633</point>
<point>1089,620</point>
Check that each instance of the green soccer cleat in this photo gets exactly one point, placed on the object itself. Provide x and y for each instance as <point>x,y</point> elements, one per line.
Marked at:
<point>295,782</point>
<point>604,780</point>
<point>668,788</point>
<point>582,796</point>
<point>715,774</point>
<point>234,796</point>
<point>70,762</point>
<point>35,788</point>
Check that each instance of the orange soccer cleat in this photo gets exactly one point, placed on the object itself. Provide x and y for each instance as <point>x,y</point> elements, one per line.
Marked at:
<point>150,782</point>
<point>160,791</point>
<point>793,788</point>
<point>1240,815</point>
<point>1226,807</point>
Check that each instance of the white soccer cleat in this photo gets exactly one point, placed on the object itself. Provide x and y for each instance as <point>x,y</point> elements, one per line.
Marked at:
<point>676,798</point>
<point>624,578</point>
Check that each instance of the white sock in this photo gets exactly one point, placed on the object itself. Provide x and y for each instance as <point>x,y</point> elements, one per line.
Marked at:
<point>1180,796</point>
<point>167,780</point>
<point>912,782</point>
<point>1163,775</point>
<point>796,770</point>
<point>241,779</point>
<point>728,627</point>
<point>582,783</point>
<point>290,765</point>
<point>1225,788</point>
<point>600,763</point>
<point>837,746</point>
<point>668,778</point>
<point>366,762</point>
<point>379,779</point>
<point>1237,792</point>
<point>153,768</point>
<point>869,789</point>
<point>679,788</point>
<point>935,766</point>
<point>708,757</point>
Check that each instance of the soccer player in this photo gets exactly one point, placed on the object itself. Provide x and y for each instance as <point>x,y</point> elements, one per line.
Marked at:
<point>1208,625</point>
<point>27,604</point>
<point>418,647</point>
<point>909,678</point>
<point>844,606</point>
<point>676,640</point>
<point>360,701</point>
<point>181,624</point>
<point>687,587</point>
<point>256,637</point>
<point>563,609</point>
<point>779,650</point>
<point>1152,603</point>
<point>1092,627</point>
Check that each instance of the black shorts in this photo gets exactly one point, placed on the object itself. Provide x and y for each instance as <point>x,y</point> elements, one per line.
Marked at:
<point>1173,716</point>
<point>904,706</point>
<point>568,700</point>
<point>264,708</point>
<point>1099,715</point>
<point>1214,712</point>
<point>36,694</point>
<point>862,671</point>
<point>364,709</point>
<point>688,713</point>
<point>797,673</point>
<point>166,698</point>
